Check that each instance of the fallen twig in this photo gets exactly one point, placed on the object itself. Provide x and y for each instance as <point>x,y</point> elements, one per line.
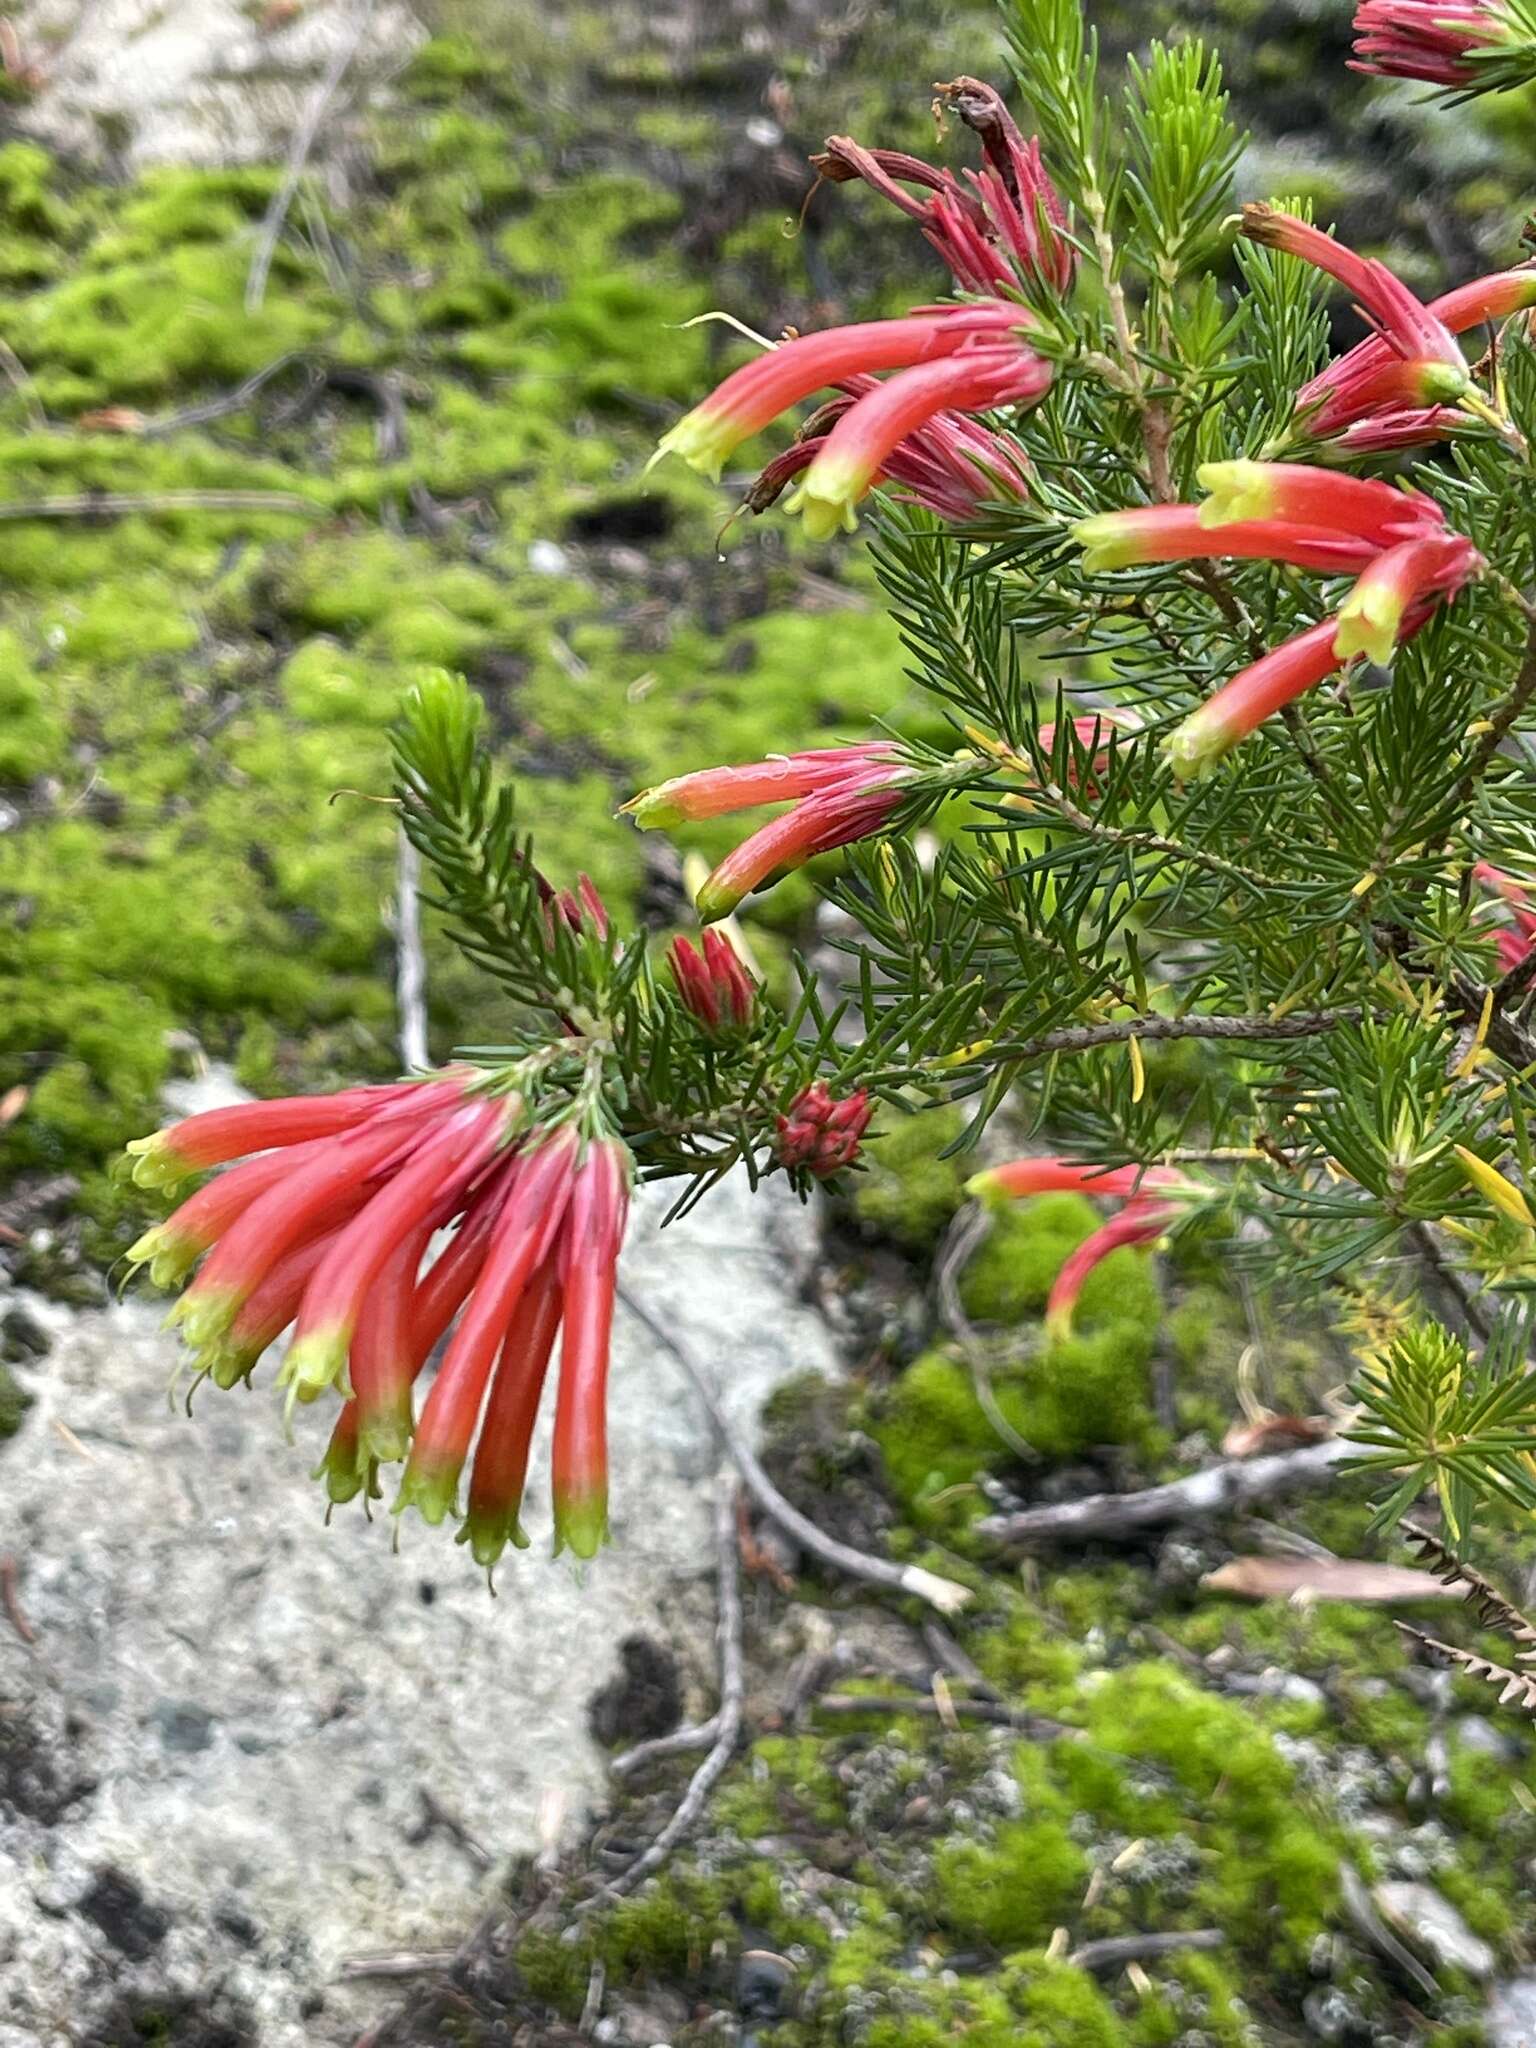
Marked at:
<point>1038,1726</point>
<point>1226,1488</point>
<point>681,1742</point>
<point>733,1685</point>
<point>1368,1923</point>
<point>298,156</point>
<point>397,1962</point>
<point>948,1653</point>
<point>1116,1949</point>
<point>945,1594</point>
<point>122,504</point>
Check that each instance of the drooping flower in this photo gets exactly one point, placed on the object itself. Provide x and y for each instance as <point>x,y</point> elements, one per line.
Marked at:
<point>1139,1222</point>
<point>838,795</point>
<point>1432,40</point>
<point>1253,695</point>
<point>752,397</point>
<point>714,985</point>
<point>1402,584</point>
<point>1295,492</point>
<point>863,442</point>
<point>1415,364</point>
<point>821,1133</point>
<point>1393,598</point>
<point>951,465</point>
<point>1008,230</point>
<point>330,1230</point>
<point>1181,533</point>
<point>1154,1197</point>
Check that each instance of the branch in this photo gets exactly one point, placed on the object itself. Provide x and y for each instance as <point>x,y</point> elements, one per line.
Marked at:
<point>1500,725</point>
<point>1039,1727</point>
<point>1110,1953</point>
<point>945,1594</point>
<point>732,1694</point>
<point>1086,1037</point>
<point>1226,1488</point>
<point>121,504</point>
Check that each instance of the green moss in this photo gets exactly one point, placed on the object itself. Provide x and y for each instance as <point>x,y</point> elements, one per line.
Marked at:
<point>909,1193</point>
<point>1012,1891</point>
<point>14,1403</point>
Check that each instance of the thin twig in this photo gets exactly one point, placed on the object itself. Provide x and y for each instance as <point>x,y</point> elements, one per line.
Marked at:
<point>1085,1037</point>
<point>957,1662</point>
<point>681,1742</point>
<point>1500,725</point>
<point>945,1594</point>
<point>397,1962</point>
<point>298,156</point>
<point>965,1233</point>
<point>733,1686</point>
<point>1453,1283</point>
<point>1225,1488</point>
<point>1117,1949</point>
<point>121,504</point>
<point>410,959</point>
<point>1037,1726</point>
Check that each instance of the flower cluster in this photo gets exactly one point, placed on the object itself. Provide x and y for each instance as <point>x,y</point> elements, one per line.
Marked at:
<point>1437,41</point>
<point>328,1229</point>
<point>1154,1197</point>
<point>838,795</point>
<point>1002,231</point>
<point>822,1133</point>
<point>1394,543</point>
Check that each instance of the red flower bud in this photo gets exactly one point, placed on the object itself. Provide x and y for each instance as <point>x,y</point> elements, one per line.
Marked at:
<point>821,1134</point>
<point>715,987</point>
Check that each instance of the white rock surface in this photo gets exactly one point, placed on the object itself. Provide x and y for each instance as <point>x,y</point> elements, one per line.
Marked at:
<point>144,82</point>
<point>257,1700</point>
<point>1432,1925</point>
<point>1512,2014</point>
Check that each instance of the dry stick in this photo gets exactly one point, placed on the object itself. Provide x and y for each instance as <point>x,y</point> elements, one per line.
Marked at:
<point>1085,1037</point>
<point>410,959</point>
<point>1038,1726</point>
<point>397,1962</point>
<point>1230,1486</point>
<point>681,1742</point>
<point>948,1654</point>
<point>1137,1948</point>
<point>733,1685</point>
<point>945,1594</point>
<point>1453,1283</point>
<point>119,504</point>
<point>298,156</point>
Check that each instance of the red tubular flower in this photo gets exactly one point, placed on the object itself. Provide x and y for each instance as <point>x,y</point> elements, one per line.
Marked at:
<point>1254,694</point>
<point>1139,1222</point>
<point>752,397</point>
<point>1299,494</point>
<point>1514,946</point>
<point>854,810</point>
<point>1394,595</point>
<point>1052,1175</point>
<point>1182,533</point>
<point>950,465</point>
<point>714,986</point>
<point>522,1238</point>
<point>1355,379</point>
<point>589,1277</point>
<point>821,1134</point>
<point>1432,40</point>
<point>864,440</point>
<point>1390,432</point>
<point>784,778</point>
<point>500,1468</point>
<point>217,1135</point>
<point>1407,326</point>
<point>302,1203</point>
<point>172,1248</point>
<point>426,1185</point>
<point>268,1310</point>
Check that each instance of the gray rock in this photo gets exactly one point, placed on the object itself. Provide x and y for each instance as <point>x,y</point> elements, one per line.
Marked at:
<point>1432,1924</point>
<point>231,1711</point>
<point>194,81</point>
<point>1478,1734</point>
<point>1511,2016</point>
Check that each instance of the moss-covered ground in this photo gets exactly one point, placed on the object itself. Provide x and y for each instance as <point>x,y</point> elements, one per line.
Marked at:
<point>427,447</point>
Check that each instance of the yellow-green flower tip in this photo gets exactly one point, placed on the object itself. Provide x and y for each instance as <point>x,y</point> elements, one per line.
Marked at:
<point>1238,490</point>
<point>431,1488</point>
